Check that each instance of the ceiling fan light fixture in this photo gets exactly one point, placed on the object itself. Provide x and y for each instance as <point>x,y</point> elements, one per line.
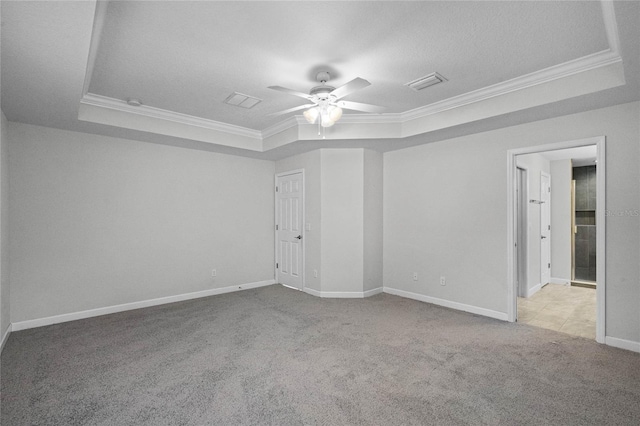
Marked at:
<point>326,107</point>
<point>326,119</point>
<point>335,113</point>
<point>311,115</point>
<point>327,122</point>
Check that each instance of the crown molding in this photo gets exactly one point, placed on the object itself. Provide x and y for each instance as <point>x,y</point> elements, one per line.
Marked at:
<point>96,33</point>
<point>611,25</point>
<point>594,61</point>
<point>398,124</point>
<point>299,120</point>
<point>293,121</point>
<point>163,114</point>
<point>566,69</point>
<point>576,66</point>
<point>385,118</point>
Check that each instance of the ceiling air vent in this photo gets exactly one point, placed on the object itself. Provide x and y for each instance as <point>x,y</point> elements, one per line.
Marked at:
<point>424,82</point>
<point>243,101</point>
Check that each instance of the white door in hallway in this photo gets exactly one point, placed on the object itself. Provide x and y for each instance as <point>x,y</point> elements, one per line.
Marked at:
<point>545,228</point>
<point>289,227</point>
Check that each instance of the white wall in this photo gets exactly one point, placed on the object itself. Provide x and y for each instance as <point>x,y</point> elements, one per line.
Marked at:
<point>342,207</point>
<point>445,212</point>
<point>99,221</point>
<point>561,176</point>
<point>5,306</point>
<point>310,162</point>
<point>343,193</point>
<point>373,205</point>
<point>535,164</point>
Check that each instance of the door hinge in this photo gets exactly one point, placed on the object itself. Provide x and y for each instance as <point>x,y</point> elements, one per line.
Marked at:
<point>276,189</point>
<point>276,227</point>
<point>276,266</point>
<point>549,190</point>
<point>549,265</point>
<point>549,228</point>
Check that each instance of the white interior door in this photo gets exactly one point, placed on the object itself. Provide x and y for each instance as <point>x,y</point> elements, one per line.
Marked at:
<point>289,226</point>
<point>545,228</point>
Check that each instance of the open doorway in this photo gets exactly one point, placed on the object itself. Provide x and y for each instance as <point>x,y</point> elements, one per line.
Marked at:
<point>584,196</point>
<point>542,238</point>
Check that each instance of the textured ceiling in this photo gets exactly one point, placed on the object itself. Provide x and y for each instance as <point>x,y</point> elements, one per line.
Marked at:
<point>189,56</point>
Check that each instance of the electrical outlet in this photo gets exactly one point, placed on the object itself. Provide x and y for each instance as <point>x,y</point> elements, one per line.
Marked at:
<point>415,276</point>
<point>443,281</point>
<point>315,273</point>
<point>214,273</point>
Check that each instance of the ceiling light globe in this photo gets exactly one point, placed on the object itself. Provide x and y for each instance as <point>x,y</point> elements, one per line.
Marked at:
<point>311,115</point>
<point>327,121</point>
<point>335,113</point>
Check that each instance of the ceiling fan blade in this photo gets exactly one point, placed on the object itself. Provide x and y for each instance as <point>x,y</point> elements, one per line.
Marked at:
<point>287,111</point>
<point>357,106</point>
<point>352,86</point>
<point>291,92</point>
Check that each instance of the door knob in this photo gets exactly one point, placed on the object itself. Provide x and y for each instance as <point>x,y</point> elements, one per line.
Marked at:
<point>542,237</point>
<point>299,237</point>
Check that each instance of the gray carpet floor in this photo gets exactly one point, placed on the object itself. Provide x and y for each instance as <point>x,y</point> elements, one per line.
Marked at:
<point>282,357</point>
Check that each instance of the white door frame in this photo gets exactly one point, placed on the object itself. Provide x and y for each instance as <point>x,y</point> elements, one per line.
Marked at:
<point>522,249</point>
<point>545,206</point>
<point>599,142</point>
<point>275,222</point>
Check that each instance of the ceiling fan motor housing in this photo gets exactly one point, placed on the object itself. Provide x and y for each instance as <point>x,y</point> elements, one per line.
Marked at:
<point>322,92</point>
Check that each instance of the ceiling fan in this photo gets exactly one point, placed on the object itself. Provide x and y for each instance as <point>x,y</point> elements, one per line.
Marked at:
<point>326,100</point>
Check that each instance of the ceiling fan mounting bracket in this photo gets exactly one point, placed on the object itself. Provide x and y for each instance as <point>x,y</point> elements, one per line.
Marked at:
<point>323,77</point>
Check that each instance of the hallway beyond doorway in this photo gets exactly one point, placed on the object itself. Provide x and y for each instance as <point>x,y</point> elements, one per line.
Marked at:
<point>568,309</point>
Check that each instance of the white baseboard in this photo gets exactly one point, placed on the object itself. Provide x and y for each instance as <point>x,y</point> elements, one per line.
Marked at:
<point>5,336</point>
<point>533,290</point>
<point>40,322</point>
<point>629,345</point>
<point>448,304</point>
<point>561,281</point>
<point>288,286</point>
<point>313,292</point>
<point>343,294</point>
<point>373,292</point>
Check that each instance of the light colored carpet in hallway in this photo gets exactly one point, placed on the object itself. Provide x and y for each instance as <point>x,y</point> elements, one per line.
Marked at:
<point>274,356</point>
<point>563,308</point>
